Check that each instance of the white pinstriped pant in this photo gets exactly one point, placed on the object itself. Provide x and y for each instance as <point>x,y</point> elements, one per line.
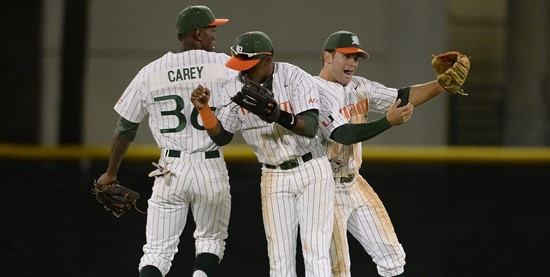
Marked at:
<point>301,196</point>
<point>359,210</point>
<point>203,187</point>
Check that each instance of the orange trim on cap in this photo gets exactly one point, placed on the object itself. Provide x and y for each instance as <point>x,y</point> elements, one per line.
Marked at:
<point>219,21</point>
<point>352,50</point>
<point>240,64</point>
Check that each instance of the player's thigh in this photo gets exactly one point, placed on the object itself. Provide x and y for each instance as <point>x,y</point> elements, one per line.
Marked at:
<point>315,204</point>
<point>211,198</point>
<point>369,222</point>
<point>164,211</point>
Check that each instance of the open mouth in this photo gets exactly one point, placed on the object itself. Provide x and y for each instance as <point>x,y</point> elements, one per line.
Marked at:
<point>348,72</point>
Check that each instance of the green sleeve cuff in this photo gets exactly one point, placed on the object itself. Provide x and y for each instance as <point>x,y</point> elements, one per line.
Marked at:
<point>223,138</point>
<point>311,118</point>
<point>126,129</point>
<point>403,94</point>
<point>353,133</point>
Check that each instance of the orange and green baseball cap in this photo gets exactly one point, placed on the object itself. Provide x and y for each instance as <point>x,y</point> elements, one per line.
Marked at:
<point>345,42</point>
<point>248,49</point>
<point>196,17</point>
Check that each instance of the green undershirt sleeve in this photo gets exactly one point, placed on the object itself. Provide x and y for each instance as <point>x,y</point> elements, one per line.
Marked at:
<point>223,138</point>
<point>353,133</point>
<point>403,94</point>
<point>126,129</point>
<point>311,119</point>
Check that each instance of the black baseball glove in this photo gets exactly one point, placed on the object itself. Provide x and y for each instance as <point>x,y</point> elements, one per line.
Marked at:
<point>258,100</point>
<point>116,198</point>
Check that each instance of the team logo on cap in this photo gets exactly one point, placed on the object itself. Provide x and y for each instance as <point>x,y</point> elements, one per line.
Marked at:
<point>239,49</point>
<point>355,40</point>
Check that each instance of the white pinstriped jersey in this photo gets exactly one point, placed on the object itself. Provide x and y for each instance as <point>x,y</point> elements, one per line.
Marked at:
<point>162,90</point>
<point>295,92</point>
<point>349,104</point>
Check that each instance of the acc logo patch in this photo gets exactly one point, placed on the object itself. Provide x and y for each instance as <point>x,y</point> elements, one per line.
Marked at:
<point>313,100</point>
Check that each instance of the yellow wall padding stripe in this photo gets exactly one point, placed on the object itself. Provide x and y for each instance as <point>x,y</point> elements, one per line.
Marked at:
<point>235,152</point>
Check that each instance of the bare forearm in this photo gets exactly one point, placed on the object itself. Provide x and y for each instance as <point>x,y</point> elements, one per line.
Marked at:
<point>119,147</point>
<point>421,93</point>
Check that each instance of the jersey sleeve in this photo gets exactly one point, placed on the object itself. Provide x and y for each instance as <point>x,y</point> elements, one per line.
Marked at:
<point>330,117</point>
<point>305,95</point>
<point>380,97</point>
<point>227,112</point>
<point>131,105</point>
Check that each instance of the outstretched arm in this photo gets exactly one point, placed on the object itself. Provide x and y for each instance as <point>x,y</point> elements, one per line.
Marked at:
<point>451,70</point>
<point>421,93</point>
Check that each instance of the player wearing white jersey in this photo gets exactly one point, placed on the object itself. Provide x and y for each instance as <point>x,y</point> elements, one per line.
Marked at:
<point>346,100</point>
<point>191,173</point>
<point>297,187</point>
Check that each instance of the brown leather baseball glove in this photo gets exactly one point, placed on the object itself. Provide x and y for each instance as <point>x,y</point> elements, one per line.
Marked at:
<point>452,70</point>
<point>116,198</point>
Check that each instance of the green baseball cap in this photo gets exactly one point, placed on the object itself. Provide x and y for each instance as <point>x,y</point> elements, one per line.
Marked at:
<point>248,49</point>
<point>345,42</point>
<point>196,17</point>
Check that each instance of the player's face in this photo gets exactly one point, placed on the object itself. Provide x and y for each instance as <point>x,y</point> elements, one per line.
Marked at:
<point>261,71</point>
<point>208,38</point>
<point>343,66</point>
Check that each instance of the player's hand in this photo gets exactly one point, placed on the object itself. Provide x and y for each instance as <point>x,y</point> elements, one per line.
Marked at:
<point>398,115</point>
<point>200,97</point>
<point>105,179</point>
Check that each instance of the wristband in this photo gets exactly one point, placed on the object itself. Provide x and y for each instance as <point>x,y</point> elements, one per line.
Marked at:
<point>403,94</point>
<point>209,120</point>
<point>287,120</point>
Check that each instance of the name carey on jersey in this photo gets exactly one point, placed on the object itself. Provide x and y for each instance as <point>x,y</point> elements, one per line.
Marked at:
<point>187,74</point>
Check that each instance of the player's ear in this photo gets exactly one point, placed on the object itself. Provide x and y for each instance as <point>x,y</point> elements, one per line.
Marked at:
<point>264,62</point>
<point>197,34</point>
<point>327,57</point>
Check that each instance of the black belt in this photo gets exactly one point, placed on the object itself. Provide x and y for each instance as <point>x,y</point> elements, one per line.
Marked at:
<point>207,155</point>
<point>290,163</point>
<point>345,179</point>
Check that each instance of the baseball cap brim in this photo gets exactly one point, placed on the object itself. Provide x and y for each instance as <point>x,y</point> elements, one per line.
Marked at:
<point>240,64</point>
<point>219,21</point>
<point>353,50</point>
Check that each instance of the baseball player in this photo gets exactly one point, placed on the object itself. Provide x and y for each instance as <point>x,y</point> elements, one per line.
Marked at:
<point>346,100</point>
<point>297,187</point>
<point>191,173</point>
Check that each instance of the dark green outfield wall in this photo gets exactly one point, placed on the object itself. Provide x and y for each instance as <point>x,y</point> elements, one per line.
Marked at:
<point>453,220</point>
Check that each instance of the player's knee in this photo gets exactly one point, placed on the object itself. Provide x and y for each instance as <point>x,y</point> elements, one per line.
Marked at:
<point>339,269</point>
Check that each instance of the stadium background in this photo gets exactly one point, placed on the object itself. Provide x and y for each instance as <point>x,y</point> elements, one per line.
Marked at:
<point>465,182</point>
